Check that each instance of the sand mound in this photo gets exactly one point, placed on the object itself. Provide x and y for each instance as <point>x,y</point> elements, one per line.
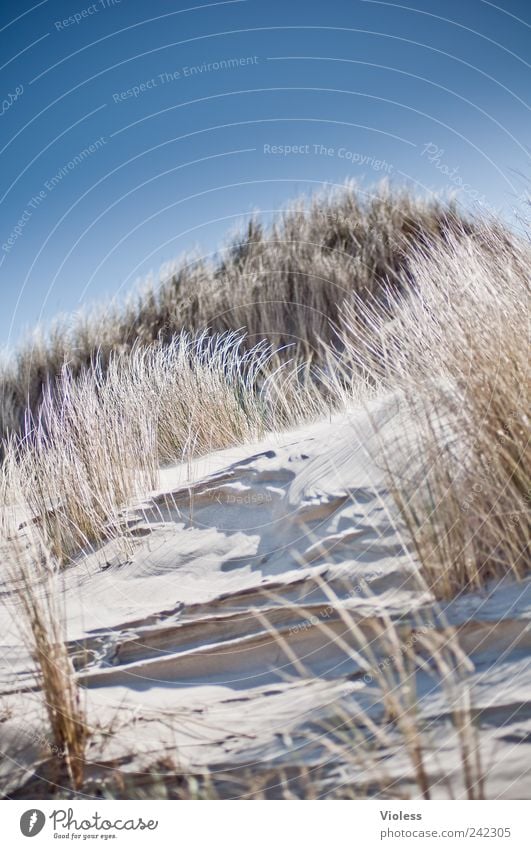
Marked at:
<point>207,633</point>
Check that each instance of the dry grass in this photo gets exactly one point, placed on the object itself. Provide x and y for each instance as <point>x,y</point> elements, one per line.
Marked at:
<point>31,573</point>
<point>386,716</point>
<point>100,438</point>
<point>438,309</point>
<point>284,284</point>
<point>458,348</point>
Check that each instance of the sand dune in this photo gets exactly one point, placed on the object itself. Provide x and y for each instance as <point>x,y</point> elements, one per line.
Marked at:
<point>206,634</point>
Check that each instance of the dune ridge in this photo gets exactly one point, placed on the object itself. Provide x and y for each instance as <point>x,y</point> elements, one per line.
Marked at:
<point>227,575</point>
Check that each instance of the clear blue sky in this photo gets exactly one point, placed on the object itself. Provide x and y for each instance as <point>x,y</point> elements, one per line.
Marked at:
<point>118,153</point>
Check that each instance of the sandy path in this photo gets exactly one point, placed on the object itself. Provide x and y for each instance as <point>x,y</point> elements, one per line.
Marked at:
<point>171,630</point>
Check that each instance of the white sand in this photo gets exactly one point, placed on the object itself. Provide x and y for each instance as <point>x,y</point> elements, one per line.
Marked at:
<point>171,634</point>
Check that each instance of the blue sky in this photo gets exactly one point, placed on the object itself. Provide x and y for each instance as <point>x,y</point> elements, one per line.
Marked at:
<point>131,133</point>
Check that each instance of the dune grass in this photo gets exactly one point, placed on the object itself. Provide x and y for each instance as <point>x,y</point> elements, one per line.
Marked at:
<point>449,330</point>
<point>30,572</point>
<point>390,294</point>
<point>283,284</point>
<point>100,438</point>
<point>458,348</point>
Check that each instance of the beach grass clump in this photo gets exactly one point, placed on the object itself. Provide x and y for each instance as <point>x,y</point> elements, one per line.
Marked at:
<point>457,346</point>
